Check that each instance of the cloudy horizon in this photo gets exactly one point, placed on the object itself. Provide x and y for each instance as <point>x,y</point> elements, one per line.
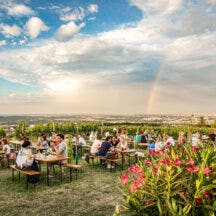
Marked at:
<point>126,56</point>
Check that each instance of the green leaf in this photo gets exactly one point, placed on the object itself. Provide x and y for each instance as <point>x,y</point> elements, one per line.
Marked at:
<point>186,209</point>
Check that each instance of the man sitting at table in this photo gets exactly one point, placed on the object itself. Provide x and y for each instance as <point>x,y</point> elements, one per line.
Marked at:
<point>105,146</point>
<point>61,150</point>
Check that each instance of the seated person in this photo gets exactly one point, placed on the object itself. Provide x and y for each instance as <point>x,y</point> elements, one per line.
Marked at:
<point>61,150</point>
<point>96,145</point>
<point>144,137</point>
<point>79,144</point>
<point>51,149</point>
<point>114,141</point>
<point>122,143</point>
<point>6,148</point>
<point>105,146</point>
<point>81,140</point>
<point>151,145</point>
<point>169,141</point>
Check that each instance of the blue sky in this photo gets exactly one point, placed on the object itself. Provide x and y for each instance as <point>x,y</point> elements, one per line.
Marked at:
<point>70,56</point>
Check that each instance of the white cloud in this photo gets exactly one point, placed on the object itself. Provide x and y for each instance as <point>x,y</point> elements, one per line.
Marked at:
<point>91,18</point>
<point>76,14</point>
<point>157,6</point>
<point>10,31</point>
<point>66,9</point>
<point>34,26</point>
<point>93,8</point>
<point>125,61</point>
<point>3,42</point>
<point>20,10</point>
<point>66,32</point>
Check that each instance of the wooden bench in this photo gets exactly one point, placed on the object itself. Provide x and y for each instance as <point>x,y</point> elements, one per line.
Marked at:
<point>92,157</point>
<point>75,167</point>
<point>26,172</point>
<point>112,162</point>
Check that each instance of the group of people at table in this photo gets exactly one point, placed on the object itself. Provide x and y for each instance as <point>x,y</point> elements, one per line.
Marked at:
<point>104,147</point>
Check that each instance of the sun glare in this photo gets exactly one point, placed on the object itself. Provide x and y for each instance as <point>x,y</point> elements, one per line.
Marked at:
<point>63,85</point>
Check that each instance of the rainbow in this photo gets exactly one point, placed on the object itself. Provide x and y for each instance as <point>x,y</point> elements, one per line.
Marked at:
<point>152,92</point>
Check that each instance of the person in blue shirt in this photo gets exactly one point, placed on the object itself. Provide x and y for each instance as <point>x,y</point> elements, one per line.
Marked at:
<point>137,137</point>
<point>151,145</point>
<point>105,146</point>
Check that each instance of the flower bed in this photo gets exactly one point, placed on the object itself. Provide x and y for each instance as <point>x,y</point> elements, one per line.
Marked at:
<point>178,181</point>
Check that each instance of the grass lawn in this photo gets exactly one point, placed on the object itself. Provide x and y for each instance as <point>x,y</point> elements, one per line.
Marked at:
<point>94,193</point>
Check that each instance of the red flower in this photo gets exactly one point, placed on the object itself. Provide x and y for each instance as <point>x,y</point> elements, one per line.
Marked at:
<point>199,201</point>
<point>132,188</point>
<point>196,169</point>
<point>168,162</point>
<point>182,193</point>
<point>155,170</point>
<point>206,171</point>
<point>151,152</point>
<point>124,179</point>
<point>189,169</point>
<point>141,178</point>
<point>148,203</point>
<point>131,169</point>
<point>191,162</point>
<point>194,148</point>
<point>206,195</point>
<point>168,144</point>
<point>177,162</point>
<point>147,162</point>
<point>161,161</point>
<point>138,184</point>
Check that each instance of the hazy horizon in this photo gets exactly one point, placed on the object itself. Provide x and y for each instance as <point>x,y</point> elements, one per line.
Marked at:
<point>108,57</point>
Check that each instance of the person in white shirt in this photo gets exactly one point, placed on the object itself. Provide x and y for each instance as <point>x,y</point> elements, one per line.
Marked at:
<point>159,144</point>
<point>169,141</point>
<point>81,140</point>
<point>195,140</point>
<point>93,136</point>
<point>6,147</point>
<point>96,145</point>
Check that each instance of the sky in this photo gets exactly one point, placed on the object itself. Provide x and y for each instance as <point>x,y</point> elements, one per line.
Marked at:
<point>107,56</point>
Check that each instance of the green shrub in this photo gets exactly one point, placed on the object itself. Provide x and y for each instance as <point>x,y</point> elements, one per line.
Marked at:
<point>179,181</point>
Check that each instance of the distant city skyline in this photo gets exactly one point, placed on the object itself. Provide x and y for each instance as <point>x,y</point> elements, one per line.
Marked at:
<point>108,57</point>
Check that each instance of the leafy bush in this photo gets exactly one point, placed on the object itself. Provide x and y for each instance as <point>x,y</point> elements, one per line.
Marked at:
<point>178,181</point>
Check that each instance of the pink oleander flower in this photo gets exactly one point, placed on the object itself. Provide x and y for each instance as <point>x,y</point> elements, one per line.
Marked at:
<point>190,162</point>
<point>206,171</point>
<point>131,169</point>
<point>189,169</point>
<point>196,169</point>
<point>194,148</point>
<point>140,178</point>
<point>124,179</point>
<point>161,161</point>
<point>168,144</point>
<point>168,162</point>
<point>132,188</point>
<point>177,162</point>
<point>206,195</point>
<point>182,193</point>
<point>138,184</point>
<point>147,162</point>
<point>155,169</point>
<point>151,152</point>
<point>148,203</point>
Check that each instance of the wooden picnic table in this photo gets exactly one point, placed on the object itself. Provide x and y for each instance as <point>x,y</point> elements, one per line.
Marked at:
<point>48,160</point>
<point>126,152</point>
